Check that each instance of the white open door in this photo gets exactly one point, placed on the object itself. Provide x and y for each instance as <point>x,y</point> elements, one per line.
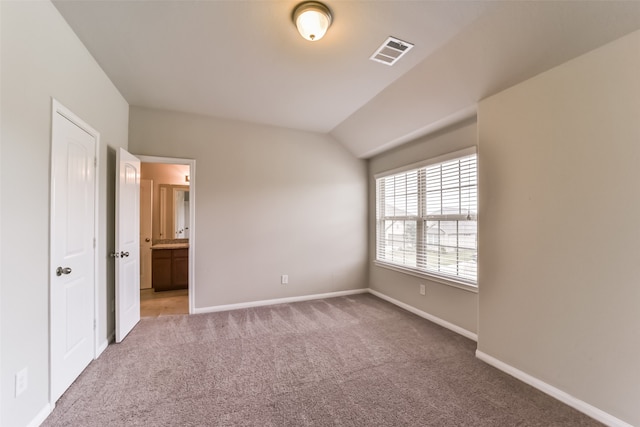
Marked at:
<point>127,252</point>
<point>73,259</point>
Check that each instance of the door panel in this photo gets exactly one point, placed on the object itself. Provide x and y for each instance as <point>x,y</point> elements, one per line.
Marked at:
<point>76,313</point>
<point>127,243</point>
<point>72,250</point>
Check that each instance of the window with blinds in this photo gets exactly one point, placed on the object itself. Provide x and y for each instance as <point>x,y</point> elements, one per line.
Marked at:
<point>427,218</point>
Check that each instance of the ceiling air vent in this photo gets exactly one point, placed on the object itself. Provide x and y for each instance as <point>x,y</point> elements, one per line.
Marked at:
<point>391,50</point>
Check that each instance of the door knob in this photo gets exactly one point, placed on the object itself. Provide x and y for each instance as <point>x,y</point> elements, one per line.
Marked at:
<point>114,254</point>
<point>147,239</point>
<point>60,271</point>
<point>124,254</point>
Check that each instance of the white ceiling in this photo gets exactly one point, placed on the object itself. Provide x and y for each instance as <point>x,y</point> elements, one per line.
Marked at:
<point>244,59</point>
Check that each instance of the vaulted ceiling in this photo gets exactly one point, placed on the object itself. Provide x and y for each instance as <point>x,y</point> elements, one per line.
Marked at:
<point>244,60</point>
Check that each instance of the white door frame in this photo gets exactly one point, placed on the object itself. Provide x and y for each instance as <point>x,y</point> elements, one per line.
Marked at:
<point>192,215</point>
<point>58,108</point>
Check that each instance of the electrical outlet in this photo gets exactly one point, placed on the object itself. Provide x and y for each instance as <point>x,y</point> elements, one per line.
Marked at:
<point>423,289</point>
<point>22,381</point>
<point>284,279</point>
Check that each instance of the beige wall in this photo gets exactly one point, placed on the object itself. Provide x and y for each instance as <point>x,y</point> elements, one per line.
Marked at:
<point>42,58</point>
<point>269,201</point>
<point>559,223</point>
<point>453,305</point>
<point>162,173</point>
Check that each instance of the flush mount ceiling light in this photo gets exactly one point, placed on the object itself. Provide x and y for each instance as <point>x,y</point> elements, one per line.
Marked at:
<point>312,19</point>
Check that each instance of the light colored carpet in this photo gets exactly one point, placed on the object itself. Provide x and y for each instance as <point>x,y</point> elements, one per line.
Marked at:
<point>349,361</point>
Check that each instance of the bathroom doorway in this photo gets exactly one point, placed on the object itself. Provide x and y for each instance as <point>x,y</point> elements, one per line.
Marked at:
<point>167,237</point>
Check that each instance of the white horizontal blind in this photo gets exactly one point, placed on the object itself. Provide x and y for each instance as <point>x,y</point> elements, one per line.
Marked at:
<point>427,219</point>
<point>398,216</point>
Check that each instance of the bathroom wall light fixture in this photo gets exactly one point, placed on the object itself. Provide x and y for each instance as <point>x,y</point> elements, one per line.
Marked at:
<point>312,19</point>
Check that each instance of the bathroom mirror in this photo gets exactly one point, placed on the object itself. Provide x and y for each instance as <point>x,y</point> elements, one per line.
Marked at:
<point>181,213</point>
<point>174,211</point>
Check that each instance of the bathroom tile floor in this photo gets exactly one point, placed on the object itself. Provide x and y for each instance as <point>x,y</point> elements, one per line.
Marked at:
<point>153,304</point>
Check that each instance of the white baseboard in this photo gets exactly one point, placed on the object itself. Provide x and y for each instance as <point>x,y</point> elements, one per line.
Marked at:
<point>455,328</point>
<point>250,304</point>
<point>554,392</point>
<point>42,415</point>
<point>103,346</point>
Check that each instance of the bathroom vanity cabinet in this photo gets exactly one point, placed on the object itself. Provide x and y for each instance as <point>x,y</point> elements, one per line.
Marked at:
<point>170,269</point>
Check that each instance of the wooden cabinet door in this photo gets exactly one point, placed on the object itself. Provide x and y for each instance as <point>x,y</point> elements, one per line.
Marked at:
<point>161,270</point>
<point>180,268</point>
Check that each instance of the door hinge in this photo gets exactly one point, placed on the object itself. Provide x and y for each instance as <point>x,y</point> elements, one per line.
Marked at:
<point>95,162</point>
<point>94,243</point>
<point>95,324</point>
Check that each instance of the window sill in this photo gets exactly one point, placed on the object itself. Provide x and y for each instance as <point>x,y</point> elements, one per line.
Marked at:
<point>432,277</point>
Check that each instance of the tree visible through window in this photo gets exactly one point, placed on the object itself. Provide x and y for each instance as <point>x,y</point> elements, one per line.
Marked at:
<point>427,218</point>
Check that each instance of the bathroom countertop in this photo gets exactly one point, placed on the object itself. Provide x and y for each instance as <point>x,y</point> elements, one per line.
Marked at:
<point>170,246</point>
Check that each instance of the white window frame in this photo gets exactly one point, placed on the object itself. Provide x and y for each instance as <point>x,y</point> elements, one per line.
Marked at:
<point>421,219</point>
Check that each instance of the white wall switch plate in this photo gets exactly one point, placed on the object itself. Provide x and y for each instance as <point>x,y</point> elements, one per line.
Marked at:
<point>423,290</point>
<point>284,279</point>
